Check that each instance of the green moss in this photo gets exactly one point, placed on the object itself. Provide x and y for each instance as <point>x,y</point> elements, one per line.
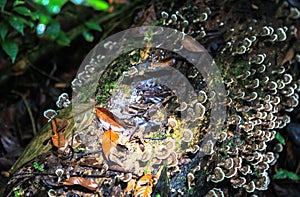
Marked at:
<point>19,192</point>
<point>108,80</point>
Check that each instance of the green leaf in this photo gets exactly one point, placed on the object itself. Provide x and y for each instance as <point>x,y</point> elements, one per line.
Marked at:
<point>93,25</point>
<point>97,4</point>
<point>87,36</point>
<point>44,19</point>
<point>283,174</point>
<point>63,39</point>
<point>55,6</point>
<point>280,138</point>
<point>11,49</point>
<point>22,10</point>
<point>53,29</point>
<point>17,23</point>
<point>2,4</point>
<point>3,30</point>
<point>17,2</point>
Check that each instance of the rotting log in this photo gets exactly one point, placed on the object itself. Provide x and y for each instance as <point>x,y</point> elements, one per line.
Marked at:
<point>250,44</point>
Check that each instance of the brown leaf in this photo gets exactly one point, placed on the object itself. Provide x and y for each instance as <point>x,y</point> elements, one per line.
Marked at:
<point>109,120</point>
<point>288,56</point>
<point>163,64</point>
<point>59,137</point>
<point>87,183</point>
<point>192,45</point>
<point>109,140</point>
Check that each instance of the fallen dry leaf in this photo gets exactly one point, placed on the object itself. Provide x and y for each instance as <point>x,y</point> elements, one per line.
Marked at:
<point>87,183</point>
<point>109,140</point>
<point>130,186</point>
<point>144,186</point>
<point>163,64</point>
<point>109,120</point>
<point>59,137</point>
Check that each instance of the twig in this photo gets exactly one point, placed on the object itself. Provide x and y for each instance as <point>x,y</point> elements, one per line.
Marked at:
<point>28,109</point>
<point>44,73</point>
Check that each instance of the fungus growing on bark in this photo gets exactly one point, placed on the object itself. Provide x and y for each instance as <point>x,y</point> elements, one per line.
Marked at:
<point>227,163</point>
<point>190,178</point>
<point>208,147</point>
<point>162,152</point>
<point>59,173</point>
<point>145,156</point>
<point>231,173</point>
<point>172,122</point>
<point>126,177</point>
<point>250,187</point>
<point>50,114</point>
<point>202,97</point>
<point>172,160</point>
<point>187,135</point>
<point>217,176</point>
<point>238,182</point>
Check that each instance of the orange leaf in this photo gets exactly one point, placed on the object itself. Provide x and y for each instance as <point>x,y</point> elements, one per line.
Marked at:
<point>109,140</point>
<point>144,191</point>
<point>147,178</point>
<point>130,186</point>
<point>144,186</point>
<point>109,120</point>
<point>59,137</point>
<point>87,183</point>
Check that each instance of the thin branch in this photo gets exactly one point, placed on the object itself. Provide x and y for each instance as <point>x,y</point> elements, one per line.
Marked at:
<point>28,109</point>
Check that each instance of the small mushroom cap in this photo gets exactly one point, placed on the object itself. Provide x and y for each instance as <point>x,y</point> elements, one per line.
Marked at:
<point>59,172</point>
<point>162,152</point>
<point>50,114</point>
<point>170,143</point>
<point>218,175</point>
<point>190,176</point>
<point>172,122</point>
<point>51,193</point>
<point>211,193</point>
<point>232,172</point>
<point>250,187</point>
<point>262,183</point>
<point>238,181</point>
<point>194,149</point>
<point>199,110</point>
<point>155,161</point>
<point>182,107</point>
<point>218,192</point>
<point>270,157</point>
<point>187,135</point>
<point>126,177</point>
<point>237,162</point>
<point>202,97</point>
<point>278,147</point>
<point>222,136</point>
<point>207,148</point>
<point>172,160</point>
<point>227,163</point>
<point>245,170</point>
<point>145,156</point>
